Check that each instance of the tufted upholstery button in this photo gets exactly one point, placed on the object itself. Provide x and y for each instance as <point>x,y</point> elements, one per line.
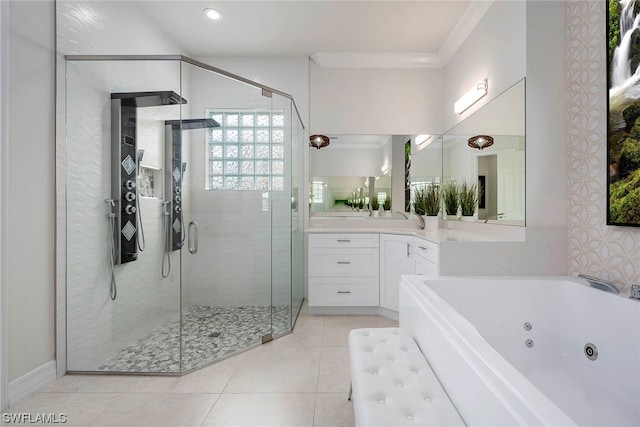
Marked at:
<point>384,374</point>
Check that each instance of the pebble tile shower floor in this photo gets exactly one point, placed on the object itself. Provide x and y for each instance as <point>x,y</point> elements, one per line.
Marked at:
<point>209,333</point>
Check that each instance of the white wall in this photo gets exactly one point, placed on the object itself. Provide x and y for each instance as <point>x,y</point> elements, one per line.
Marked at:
<point>604,251</point>
<point>375,101</point>
<point>30,196</point>
<point>4,146</point>
<point>346,162</point>
<point>546,113</point>
<point>495,50</point>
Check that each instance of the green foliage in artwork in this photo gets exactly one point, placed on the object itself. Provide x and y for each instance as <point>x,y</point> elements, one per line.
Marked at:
<point>614,26</point>
<point>631,114</point>
<point>629,157</point>
<point>624,200</point>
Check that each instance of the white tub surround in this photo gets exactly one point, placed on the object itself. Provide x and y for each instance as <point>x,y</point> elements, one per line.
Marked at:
<point>513,351</point>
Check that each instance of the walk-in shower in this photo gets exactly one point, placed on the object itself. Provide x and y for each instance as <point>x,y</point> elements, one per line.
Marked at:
<point>184,239</point>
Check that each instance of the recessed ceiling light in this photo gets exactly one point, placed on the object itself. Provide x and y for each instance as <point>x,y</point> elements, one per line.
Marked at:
<point>212,14</point>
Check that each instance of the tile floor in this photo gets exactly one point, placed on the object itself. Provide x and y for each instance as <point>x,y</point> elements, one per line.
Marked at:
<point>301,379</point>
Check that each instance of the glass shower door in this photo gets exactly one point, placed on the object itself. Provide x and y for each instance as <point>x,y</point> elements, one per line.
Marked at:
<point>231,170</point>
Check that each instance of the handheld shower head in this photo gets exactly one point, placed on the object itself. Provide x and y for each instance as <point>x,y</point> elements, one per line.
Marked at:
<point>140,155</point>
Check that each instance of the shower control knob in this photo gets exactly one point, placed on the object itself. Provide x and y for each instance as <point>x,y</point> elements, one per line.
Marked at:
<point>129,184</point>
<point>178,209</point>
<point>130,196</point>
<point>178,199</point>
<point>177,190</point>
<point>130,209</point>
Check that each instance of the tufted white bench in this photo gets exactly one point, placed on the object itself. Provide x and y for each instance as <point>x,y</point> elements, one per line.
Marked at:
<point>393,384</point>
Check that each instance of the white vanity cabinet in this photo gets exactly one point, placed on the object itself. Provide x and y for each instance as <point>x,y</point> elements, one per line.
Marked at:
<point>396,259</point>
<point>343,270</point>
<point>425,257</point>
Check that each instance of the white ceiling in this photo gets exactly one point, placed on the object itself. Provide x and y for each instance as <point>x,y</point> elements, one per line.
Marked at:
<point>340,33</point>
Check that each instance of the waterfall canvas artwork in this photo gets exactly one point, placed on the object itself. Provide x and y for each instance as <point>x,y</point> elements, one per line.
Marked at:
<point>623,136</point>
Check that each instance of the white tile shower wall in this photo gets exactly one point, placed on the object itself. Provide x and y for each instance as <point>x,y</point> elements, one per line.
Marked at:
<point>96,326</point>
<point>594,248</point>
<point>92,28</point>
<point>244,244</point>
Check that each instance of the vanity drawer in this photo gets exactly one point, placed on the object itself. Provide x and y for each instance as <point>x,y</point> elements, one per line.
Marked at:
<point>355,291</point>
<point>343,241</point>
<point>425,249</point>
<point>339,262</point>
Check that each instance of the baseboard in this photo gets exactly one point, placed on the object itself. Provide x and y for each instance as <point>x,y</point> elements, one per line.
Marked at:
<point>380,311</point>
<point>31,382</point>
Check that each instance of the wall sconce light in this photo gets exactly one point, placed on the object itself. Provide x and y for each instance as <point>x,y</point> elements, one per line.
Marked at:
<point>468,99</point>
<point>421,139</point>
<point>480,141</point>
<point>318,141</point>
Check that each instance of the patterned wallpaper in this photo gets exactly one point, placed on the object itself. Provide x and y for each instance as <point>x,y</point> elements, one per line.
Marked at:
<point>594,248</point>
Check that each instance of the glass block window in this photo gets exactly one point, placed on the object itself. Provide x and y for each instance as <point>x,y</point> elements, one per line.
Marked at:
<point>247,151</point>
<point>317,192</point>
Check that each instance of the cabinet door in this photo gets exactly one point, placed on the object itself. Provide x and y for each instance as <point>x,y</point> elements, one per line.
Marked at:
<point>425,268</point>
<point>395,260</point>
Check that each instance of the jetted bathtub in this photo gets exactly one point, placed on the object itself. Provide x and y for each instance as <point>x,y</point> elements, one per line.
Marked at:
<point>528,351</point>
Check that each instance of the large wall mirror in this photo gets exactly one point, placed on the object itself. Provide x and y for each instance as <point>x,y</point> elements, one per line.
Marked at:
<point>349,174</point>
<point>354,169</point>
<point>498,170</point>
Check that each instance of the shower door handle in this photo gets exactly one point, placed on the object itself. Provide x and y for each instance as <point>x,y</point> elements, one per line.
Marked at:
<point>193,241</point>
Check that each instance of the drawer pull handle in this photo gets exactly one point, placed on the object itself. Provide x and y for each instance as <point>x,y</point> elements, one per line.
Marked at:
<point>344,262</point>
<point>344,292</point>
<point>422,247</point>
<point>344,240</point>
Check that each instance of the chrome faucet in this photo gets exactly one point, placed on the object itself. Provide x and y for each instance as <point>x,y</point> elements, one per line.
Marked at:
<point>421,226</point>
<point>635,292</point>
<point>603,285</point>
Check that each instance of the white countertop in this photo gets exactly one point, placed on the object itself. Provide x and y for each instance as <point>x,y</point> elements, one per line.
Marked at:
<point>466,233</point>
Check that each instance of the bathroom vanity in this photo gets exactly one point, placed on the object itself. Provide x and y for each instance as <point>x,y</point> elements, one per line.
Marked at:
<point>355,266</point>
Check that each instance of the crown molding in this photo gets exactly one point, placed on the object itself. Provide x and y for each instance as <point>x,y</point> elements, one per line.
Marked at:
<point>375,60</point>
<point>470,17</point>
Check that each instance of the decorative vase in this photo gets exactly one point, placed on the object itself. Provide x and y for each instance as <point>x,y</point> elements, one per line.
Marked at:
<point>430,222</point>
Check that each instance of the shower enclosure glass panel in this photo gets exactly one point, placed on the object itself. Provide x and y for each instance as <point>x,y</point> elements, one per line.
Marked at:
<point>184,238</point>
<point>226,297</point>
<point>113,314</point>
